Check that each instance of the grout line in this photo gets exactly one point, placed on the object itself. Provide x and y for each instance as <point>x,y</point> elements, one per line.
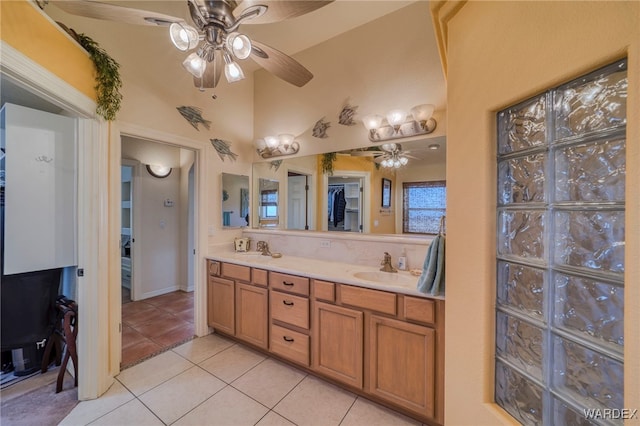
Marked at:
<point>350,407</point>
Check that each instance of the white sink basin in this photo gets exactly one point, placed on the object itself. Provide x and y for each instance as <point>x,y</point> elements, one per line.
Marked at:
<point>392,278</point>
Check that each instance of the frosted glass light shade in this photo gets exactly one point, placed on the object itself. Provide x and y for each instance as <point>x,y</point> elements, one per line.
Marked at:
<point>158,171</point>
<point>372,122</point>
<point>286,139</point>
<point>422,112</point>
<point>396,117</point>
<point>271,141</point>
<point>232,70</point>
<point>260,144</point>
<point>195,65</point>
<point>184,37</point>
<point>239,45</point>
<point>404,161</point>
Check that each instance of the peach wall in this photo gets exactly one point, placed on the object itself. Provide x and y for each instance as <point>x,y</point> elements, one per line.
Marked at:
<point>26,29</point>
<point>500,53</point>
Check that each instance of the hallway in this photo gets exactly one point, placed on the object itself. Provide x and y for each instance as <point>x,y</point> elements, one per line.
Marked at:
<point>153,325</point>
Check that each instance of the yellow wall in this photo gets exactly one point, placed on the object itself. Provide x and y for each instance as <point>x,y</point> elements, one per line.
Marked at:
<point>386,223</point>
<point>500,53</point>
<point>27,30</point>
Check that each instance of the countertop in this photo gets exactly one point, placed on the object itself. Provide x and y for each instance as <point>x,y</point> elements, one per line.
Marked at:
<point>343,273</point>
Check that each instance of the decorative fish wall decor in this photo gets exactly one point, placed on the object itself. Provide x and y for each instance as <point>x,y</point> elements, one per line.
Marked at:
<point>224,149</point>
<point>347,114</point>
<point>275,164</point>
<point>194,116</point>
<point>320,129</point>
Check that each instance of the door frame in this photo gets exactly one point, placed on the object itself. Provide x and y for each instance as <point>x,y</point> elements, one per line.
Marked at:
<point>365,199</point>
<point>135,222</point>
<point>95,371</point>
<point>200,213</point>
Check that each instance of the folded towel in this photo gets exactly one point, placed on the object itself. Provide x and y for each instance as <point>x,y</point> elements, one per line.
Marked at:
<point>432,278</point>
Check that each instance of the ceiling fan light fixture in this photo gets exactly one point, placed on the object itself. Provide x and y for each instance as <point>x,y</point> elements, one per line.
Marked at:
<point>232,70</point>
<point>195,65</point>
<point>239,45</point>
<point>404,161</point>
<point>183,36</point>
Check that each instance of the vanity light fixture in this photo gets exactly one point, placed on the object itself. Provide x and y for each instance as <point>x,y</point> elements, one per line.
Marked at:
<point>158,171</point>
<point>401,125</point>
<point>276,146</point>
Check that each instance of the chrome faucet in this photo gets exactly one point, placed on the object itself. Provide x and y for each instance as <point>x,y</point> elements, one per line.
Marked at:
<point>263,246</point>
<point>386,263</point>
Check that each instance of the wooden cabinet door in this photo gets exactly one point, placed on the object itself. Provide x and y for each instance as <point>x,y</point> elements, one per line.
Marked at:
<point>402,364</point>
<point>222,305</point>
<point>338,343</point>
<point>252,321</point>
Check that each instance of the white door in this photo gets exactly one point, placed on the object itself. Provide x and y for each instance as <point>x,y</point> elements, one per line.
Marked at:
<point>297,202</point>
<point>40,195</point>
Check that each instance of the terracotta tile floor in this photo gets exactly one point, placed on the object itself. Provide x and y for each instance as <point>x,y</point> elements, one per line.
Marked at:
<point>152,325</point>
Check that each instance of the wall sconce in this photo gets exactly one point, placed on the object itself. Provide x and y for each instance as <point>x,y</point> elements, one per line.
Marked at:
<point>276,146</point>
<point>158,171</point>
<point>398,126</point>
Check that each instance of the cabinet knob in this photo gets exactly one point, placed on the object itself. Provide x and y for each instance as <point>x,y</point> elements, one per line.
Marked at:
<point>287,302</point>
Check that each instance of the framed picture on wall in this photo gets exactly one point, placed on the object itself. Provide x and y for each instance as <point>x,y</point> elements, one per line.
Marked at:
<point>386,193</point>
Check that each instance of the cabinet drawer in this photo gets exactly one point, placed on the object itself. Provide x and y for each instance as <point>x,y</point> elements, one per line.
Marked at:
<point>260,277</point>
<point>323,290</point>
<point>242,273</point>
<point>289,283</point>
<point>213,267</point>
<point>291,309</point>
<point>421,310</point>
<point>290,344</point>
<point>376,300</point>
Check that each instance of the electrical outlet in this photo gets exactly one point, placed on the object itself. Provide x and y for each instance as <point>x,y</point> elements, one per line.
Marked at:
<point>325,243</point>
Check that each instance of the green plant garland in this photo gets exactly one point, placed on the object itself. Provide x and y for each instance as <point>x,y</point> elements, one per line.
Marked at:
<point>327,162</point>
<point>108,81</point>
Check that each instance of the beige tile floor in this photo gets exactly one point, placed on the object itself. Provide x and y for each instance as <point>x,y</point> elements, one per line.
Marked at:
<point>215,381</point>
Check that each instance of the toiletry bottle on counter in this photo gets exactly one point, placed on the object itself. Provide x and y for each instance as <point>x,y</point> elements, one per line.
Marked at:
<point>402,261</point>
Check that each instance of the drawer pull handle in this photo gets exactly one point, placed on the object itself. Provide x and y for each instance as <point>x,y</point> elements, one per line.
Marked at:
<point>288,339</point>
<point>288,303</point>
<point>286,283</point>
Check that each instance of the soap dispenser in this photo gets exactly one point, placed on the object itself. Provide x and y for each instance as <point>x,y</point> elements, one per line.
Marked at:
<point>402,261</point>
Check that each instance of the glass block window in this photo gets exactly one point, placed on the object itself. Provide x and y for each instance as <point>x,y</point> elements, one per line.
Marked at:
<point>424,203</point>
<point>560,252</point>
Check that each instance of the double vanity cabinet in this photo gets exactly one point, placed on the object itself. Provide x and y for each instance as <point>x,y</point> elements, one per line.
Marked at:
<point>386,346</point>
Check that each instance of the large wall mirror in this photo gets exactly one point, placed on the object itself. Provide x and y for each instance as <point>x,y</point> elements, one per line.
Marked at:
<point>235,201</point>
<point>350,200</point>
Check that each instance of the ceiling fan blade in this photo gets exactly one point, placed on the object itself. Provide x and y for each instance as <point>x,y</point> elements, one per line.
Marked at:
<point>211,76</point>
<point>279,64</point>
<point>278,10</point>
<point>112,12</point>
<point>366,153</point>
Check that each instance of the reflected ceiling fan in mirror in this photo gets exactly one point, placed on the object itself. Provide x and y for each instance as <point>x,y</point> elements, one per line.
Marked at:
<point>388,155</point>
<point>214,37</point>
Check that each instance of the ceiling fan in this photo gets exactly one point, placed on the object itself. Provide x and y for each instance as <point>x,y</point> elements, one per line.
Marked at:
<point>215,38</point>
<point>388,155</point>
